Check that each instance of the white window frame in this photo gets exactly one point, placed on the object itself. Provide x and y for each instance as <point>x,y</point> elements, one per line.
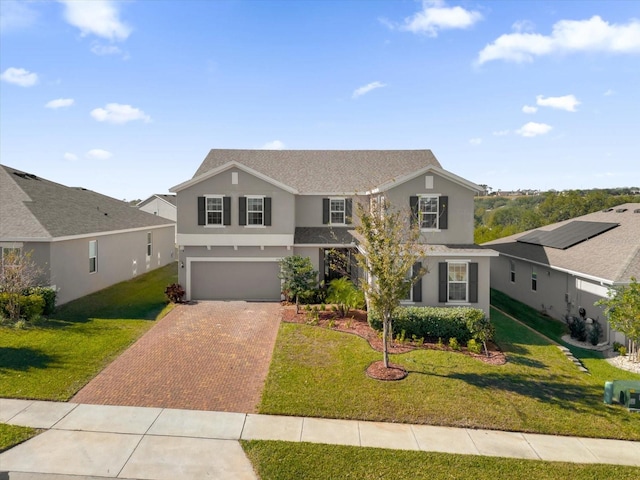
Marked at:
<point>512,271</point>
<point>149,244</point>
<point>343,201</point>
<point>426,198</point>
<point>249,211</point>
<point>93,267</point>
<point>458,282</point>
<point>409,298</point>
<point>207,210</point>
<point>534,279</point>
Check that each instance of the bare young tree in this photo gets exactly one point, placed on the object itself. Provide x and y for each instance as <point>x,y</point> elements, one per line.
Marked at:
<point>18,272</point>
<point>389,248</point>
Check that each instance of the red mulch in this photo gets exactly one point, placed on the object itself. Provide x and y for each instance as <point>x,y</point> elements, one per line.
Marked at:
<point>378,371</point>
<point>357,324</point>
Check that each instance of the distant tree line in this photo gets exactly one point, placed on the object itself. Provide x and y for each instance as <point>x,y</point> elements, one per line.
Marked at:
<point>497,217</point>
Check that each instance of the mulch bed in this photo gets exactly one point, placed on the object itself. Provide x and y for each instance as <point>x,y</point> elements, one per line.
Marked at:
<point>356,323</point>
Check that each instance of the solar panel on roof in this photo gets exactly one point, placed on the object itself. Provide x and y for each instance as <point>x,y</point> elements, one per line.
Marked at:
<point>567,235</point>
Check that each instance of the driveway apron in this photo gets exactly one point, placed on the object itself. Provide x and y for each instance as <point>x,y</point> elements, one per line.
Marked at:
<point>201,356</point>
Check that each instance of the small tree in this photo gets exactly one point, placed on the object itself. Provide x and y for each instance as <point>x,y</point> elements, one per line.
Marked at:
<point>18,272</point>
<point>481,330</point>
<point>299,277</point>
<point>623,309</point>
<point>389,246</point>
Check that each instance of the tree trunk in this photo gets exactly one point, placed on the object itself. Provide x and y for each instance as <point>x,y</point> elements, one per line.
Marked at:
<point>385,337</point>
<point>297,305</point>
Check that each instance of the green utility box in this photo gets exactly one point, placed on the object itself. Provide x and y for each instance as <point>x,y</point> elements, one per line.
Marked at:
<point>616,391</point>
<point>632,399</point>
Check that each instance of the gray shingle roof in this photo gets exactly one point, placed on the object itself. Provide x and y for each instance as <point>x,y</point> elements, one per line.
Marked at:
<point>168,197</point>
<point>325,171</point>
<point>323,235</point>
<point>613,255</point>
<point>33,207</point>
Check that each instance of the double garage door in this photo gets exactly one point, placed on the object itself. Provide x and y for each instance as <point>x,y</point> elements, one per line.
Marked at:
<point>235,281</point>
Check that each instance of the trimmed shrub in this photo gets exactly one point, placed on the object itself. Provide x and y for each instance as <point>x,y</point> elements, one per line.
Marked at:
<point>345,295</point>
<point>474,347</point>
<point>49,296</point>
<point>175,293</point>
<point>431,322</point>
<point>31,306</point>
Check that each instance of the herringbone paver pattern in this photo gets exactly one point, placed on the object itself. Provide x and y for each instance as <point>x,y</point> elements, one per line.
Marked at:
<point>203,356</point>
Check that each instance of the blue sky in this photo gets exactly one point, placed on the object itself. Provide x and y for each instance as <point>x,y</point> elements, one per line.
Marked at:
<point>126,98</point>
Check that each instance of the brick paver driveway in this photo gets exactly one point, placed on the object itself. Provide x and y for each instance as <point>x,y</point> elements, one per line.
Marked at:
<point>203,356</point>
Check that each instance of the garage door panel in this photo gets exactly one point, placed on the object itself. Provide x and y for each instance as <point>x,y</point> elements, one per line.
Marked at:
<point>235,281</point>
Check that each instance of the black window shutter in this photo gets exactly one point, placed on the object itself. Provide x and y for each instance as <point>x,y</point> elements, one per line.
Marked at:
<point>267,211</point>
<point>442,282</point>
<point>444,213</point>
<point>348,210</point>
<point>226,210</point>
<point>325,211</point>
<point>473,283</point>
<point>413,203</point>
<point>417,287</point>
<point>242,214</point>
<point>202,213</point>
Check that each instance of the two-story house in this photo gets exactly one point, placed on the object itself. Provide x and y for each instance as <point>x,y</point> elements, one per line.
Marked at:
<point>244,210</point>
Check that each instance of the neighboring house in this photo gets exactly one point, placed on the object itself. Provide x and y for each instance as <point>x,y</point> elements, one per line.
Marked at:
<point>569,265</point>
<point>163,205</point>
<point>244,210</point>
<point>83,241</point>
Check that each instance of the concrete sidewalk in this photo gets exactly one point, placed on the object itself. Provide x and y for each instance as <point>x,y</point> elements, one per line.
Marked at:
<point>156,443</point>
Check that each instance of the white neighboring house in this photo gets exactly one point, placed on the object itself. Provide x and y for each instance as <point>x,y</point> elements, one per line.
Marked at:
<point>569,265</point>
<point>82,240</point>
<point>161,204</point>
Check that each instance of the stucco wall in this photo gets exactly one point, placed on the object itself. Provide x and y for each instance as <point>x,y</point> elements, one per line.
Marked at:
<point>161,208</point>
<point>282,205</point>
<point>460,216</point>
<point>121,256</point>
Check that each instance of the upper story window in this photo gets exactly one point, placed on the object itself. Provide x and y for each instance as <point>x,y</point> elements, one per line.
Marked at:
<point>430,211</point>
<point>215,210</point>
<point>336,211</point>
<point>149,244</point>
<point>93,256</point>
<point>255,211</point>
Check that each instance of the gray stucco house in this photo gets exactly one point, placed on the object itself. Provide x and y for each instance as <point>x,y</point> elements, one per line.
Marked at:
<point>161,204</point>
<point>570,265</point>
<point>244,210</point>
<point>82,240</point>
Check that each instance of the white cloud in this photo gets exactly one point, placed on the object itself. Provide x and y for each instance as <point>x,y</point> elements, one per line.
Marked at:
<point>533,129</point>
<point>523,26</point>
<point>97,17</point>
<point>500,133</point>
<point>71,157</point>
<point>15,15</point>
<point>117,113</point>
<point>593,35</point>
<point>59,103</point>
<point>609,92</point>
<point>274,145</point>
<point>436,16</point>
<point>529,109</point>
<point>367,88</point>
<point>105,49</point>
<point>475,141</point>
<point>20,77</point>
<point>567,102</point>
<point>99,154</point>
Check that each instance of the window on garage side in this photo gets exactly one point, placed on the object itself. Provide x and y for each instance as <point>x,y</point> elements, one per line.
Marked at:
<point>534,279</point>
<point>93,256</point>
<point>149,244</point>
<point>512,271</point>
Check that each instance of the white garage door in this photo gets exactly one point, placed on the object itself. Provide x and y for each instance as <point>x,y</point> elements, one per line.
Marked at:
<point>235,281</point>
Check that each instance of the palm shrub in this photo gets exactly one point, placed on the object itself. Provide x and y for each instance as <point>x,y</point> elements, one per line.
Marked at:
<point>345,295</point>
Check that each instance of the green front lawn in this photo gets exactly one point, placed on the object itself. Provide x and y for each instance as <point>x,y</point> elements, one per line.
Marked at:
<point>53,360</point>
<point>284,460</point>
<point>11,435</point>
<point>320,373</point>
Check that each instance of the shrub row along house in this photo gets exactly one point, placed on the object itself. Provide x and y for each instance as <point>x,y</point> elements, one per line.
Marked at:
<point>81,240</point>
<point>568,266</point>
<point>244,210</point>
